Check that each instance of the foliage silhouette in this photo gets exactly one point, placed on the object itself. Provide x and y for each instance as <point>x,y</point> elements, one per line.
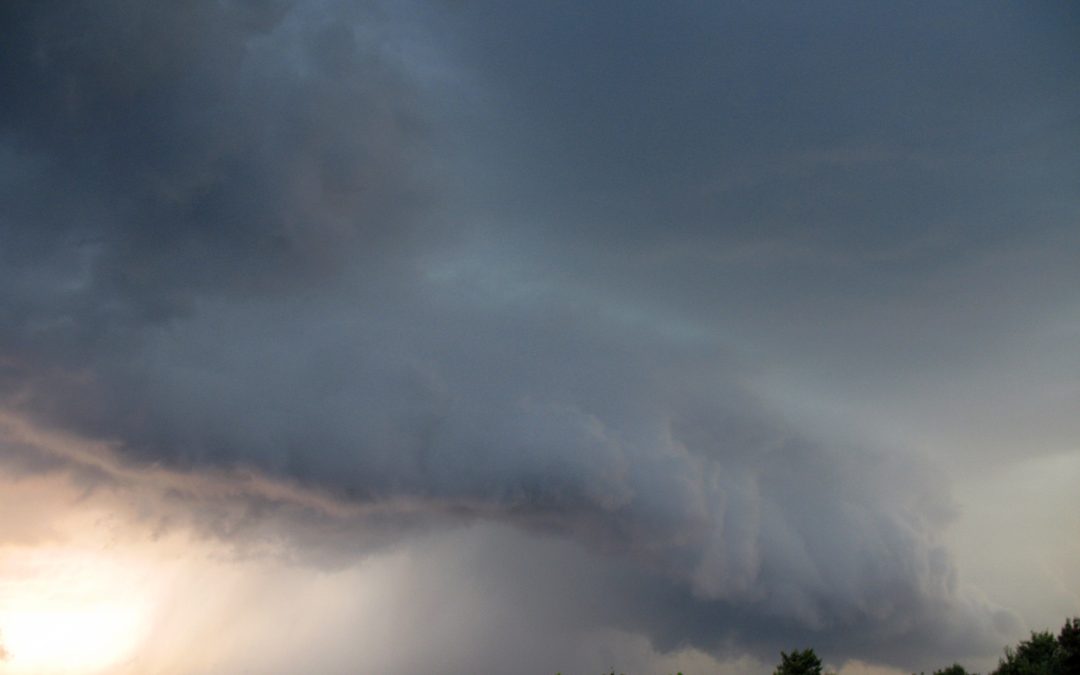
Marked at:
<point>799,662</point>
<point>1069,641</point>
<point>1041,654</point>
<point>954,669</point>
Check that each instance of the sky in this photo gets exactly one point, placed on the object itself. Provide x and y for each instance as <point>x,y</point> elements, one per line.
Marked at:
<point>468,336</point>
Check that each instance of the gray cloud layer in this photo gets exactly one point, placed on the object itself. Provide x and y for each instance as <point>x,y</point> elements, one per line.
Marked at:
<point>525,262</point>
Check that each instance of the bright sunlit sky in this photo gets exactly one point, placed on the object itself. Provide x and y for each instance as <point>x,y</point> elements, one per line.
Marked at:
<point>471,337</point>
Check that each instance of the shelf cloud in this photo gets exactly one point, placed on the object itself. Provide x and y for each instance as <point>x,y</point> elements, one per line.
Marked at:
<point>685,292</point>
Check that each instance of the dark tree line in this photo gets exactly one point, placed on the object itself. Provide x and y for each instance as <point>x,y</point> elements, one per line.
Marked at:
<point>1041,654</point>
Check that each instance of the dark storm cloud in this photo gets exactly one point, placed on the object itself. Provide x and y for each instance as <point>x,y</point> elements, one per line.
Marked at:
<point>233,237</point>
<point>155,152</point>
<point>857,128</point>
<point>827,155</point>
<point>874,195</point>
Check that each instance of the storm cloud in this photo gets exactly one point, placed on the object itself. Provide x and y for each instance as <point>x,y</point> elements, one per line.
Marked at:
<point>568,269</point>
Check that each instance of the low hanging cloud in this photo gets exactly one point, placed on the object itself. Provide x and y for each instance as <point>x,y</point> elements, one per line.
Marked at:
<point>234,257</point>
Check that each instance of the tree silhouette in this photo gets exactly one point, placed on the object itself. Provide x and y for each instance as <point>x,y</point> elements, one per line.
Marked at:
<point>1039,655</point>
<point>799,662</point>
<point>954,669</point>
<point>1069,642</point>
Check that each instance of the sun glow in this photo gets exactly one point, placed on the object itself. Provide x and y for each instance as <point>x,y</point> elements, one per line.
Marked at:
<point>68,611</point>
